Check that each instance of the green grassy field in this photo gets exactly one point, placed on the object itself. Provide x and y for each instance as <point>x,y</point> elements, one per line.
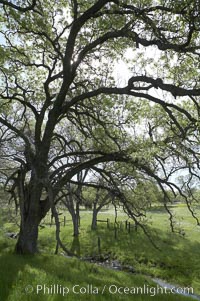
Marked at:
<point>22,275</point>
<point>176,260</point>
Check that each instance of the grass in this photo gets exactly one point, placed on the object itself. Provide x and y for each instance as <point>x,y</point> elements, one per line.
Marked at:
<point>177,259</point>
<point>22,275</point>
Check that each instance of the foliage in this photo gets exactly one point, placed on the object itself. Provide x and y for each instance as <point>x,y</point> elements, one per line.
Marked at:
<point>66,112</point>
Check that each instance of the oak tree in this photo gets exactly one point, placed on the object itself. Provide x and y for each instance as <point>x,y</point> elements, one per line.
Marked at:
<point>65,107</point>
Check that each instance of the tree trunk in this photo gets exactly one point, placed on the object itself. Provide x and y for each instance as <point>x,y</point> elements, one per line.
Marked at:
<point>32,211</point>
<point>76,247</point>
<point>75,220</point>
<point>28,236</point>
<point>94,217</point>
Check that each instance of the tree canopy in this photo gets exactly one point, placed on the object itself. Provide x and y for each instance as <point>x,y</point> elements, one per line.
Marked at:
<point>64,111</point>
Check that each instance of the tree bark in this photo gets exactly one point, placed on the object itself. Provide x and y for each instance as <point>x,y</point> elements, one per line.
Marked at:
<point>32,211</point>
<point>76,247</point>
<point>75,220</point>
<point>74,210</point>
<point>28,236</point>
<point>94,217</point>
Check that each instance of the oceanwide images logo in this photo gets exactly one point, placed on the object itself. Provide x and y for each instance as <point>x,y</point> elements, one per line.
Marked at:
<point>112,289</point>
